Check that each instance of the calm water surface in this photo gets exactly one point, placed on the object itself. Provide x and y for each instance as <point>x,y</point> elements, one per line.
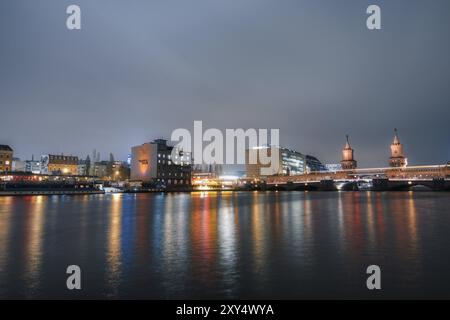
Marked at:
<point>226,245</point>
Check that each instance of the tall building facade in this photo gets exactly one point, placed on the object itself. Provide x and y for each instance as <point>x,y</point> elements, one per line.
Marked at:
<point>348,160</point>
<point>100,169</point>
<point>291,162</point>
<point>82,168</point>
<point>313,164</point>
<point>6,157</point>
<point>59,164</point>
<point>18,165</point>
<point>120,171</point>
<point>397,158</point>
<point>33,166</point>
<point>153,164</point>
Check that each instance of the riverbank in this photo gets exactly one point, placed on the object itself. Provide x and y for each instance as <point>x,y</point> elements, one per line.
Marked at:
<point>49,192</point>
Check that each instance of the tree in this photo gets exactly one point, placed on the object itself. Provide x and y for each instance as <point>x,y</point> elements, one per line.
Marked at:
<point>109,169</point>
<point>88,165</point>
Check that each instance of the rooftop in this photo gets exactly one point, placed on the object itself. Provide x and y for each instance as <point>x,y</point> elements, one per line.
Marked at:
<point>4,147</point>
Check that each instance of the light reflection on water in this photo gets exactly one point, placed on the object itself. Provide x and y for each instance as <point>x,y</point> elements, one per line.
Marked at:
<point>114,254</point>
<point>226,245</point>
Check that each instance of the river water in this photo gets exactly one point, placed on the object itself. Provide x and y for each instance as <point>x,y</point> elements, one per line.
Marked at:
<point>220,245</point>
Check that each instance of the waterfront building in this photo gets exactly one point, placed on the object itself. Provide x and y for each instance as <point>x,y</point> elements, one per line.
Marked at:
<point>291,162</point>
<point>333,167</point>
<point>18,165</point>
<point>29,183</point>
<point>82,168</point>
<point>205,181</point>
<point>111,171</point>
<point>397,158</point>
<point>213,170</point>
<point>120,171</point>
<point>33,166</point>
<point>348,161</point>
<point>152,163</point>
<point>313,164</point>
<point>6,157</point>
<point>59,164</point>
<point>101,169</point>
<point>210,181</point>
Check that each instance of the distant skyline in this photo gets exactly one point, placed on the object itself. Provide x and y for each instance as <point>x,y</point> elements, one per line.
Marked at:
<point>139,69</point>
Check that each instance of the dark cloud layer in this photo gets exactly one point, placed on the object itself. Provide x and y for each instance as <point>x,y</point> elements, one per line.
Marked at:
<point>139,69</point>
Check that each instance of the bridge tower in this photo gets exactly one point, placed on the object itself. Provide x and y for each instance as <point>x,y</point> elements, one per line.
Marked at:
<point>397,158</point>
<point>348,161</point>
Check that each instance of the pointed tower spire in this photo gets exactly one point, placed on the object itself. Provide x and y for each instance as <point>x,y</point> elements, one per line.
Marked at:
<point>396,139</point>
<point>347,143</point>
<point>348,161</point>
<point>397,158</point>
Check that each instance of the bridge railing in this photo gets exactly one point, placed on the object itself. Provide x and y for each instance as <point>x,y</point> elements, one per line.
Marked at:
<point>413,172</point>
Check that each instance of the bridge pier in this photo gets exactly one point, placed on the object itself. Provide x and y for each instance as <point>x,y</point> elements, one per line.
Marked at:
<point>380,184</point>
<point>350,186</point>
<point>439,184</point>
<point>327,185</point>
<point>384,184</point>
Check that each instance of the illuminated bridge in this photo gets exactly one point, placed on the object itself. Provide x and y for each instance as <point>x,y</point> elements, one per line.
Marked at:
<point>433,177</point>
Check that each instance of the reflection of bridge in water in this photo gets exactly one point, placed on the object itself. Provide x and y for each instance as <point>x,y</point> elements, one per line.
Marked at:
<point>434,177</point>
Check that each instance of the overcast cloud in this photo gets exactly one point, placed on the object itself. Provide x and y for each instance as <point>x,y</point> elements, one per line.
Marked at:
<point>139,69</point>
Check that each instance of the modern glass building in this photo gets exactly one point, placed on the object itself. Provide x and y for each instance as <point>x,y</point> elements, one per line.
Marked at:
<point>313,164</point>
<point>291,163</point>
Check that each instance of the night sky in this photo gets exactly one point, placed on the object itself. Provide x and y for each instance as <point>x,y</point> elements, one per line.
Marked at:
<point>139,69</point>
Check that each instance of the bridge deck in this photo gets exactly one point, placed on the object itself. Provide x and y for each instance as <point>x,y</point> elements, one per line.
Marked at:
<point>414,173</point>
